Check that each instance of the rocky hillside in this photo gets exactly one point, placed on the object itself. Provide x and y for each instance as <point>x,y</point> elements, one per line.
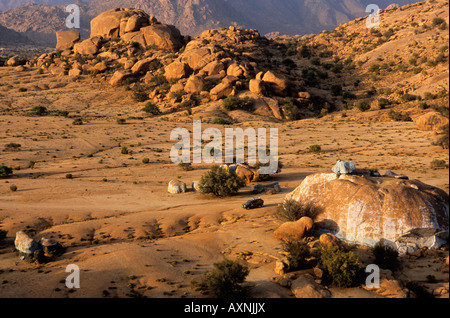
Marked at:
<point>39,22</point>
<point>397,72</point>
<point>403,64</point>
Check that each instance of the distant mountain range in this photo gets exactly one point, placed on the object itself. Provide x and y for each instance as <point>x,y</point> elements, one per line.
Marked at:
<point>42,18</point>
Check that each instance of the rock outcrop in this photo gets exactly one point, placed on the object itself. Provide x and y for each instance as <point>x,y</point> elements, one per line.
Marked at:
<point>366,210</point>
<point>66,39</point>
<point>294,231</point>
<point>432,121</point>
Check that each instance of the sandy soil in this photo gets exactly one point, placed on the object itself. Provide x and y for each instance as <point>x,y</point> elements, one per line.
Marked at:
<point>115,215</point>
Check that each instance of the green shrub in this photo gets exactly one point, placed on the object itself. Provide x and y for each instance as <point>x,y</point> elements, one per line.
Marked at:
<point>296,253</point>
<point>398,116</point>
<point>383,102</point>
<point>61,113</point>
<point>226,279</point>
<point>340,268</point>
<point>151,108</point>
<point>145,160</point>
<point>5,171</point>
<point>69,176</point>
<point>443,141</point>
<point>438,164</point>
<point>385,256</point>
<point>13,188</point>
<point>38,111</point>
<point>13,146</point>
<point>290,110</point>
<point>409,97</point>
<point>233,103</point>
<point>124,150</point>
<point>220,182</point>
<point>336,90</point>
<point>292,210</point>
<point>363,105</point>
<point>77,122</point>
<point>220,121</point>
<point>139,93</point>
<point>186,166</point>
<point>121,121</point>
<point>315,148</point>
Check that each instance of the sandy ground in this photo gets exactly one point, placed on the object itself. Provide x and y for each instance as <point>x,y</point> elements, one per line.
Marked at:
<point>115,215</point>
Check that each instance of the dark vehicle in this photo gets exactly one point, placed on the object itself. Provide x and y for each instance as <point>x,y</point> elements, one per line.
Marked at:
<point>253,204</point>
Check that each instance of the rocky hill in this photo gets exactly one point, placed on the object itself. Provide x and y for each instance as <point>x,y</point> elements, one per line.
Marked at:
<point>38,22</point>
<point>397,72</point>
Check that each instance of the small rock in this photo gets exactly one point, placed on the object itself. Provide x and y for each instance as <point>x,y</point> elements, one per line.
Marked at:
<point>176,186</point>
<point>306,287</point>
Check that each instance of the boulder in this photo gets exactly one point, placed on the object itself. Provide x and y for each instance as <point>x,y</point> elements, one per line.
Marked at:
<point>100,67</point>
<point>176,186</point>
<point>294,231</point>
<point>114,23</point>
<point>177,70</point>
<point>25,244</point>
<point>343,167</point>
<point>165,37</point>
<point>257,87</point>
<point>13,61</point>
<point>213,68</point>
<point>389,286</point>
<point>281,267</point>
<point>51,247</point>
<point>278,83</point>
<point>119,77</point>
<point>222,90</point>
<point>197,58</point>
<point>75,72</point>
<point>235,70</point>
<point>306,287</point>
<point>194,85</point>
<point>66,39</point>
<point>365,210</point>
<point>142,66</point>
<point>432,121</point>
<point>245,172</point>
<point>419,238</point>
<point>135,22</point>
<point>88,47</point>
<point>329,240</point>
<point>136,37</point>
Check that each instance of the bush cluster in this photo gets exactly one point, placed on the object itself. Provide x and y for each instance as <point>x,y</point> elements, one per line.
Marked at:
<point>220,182</point>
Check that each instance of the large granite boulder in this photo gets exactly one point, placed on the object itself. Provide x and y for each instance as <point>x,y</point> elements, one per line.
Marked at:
<point>163,36</point>
<point>294,231</point>
<point>116,22</point>
<point>432,121</point>
<point>89,46</point>
<point>366,210</point>
<point>66,39</point>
